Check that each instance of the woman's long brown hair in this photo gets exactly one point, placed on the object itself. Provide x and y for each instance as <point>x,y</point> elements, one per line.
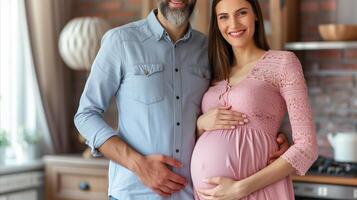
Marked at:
<point>220,52</point>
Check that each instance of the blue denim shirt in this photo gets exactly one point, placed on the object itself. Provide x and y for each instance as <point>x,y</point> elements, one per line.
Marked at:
<point>158,86</point>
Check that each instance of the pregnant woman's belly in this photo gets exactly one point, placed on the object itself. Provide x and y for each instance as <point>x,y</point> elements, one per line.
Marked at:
<point>236,154</point>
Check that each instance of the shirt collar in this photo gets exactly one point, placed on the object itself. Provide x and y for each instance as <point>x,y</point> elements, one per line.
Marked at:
<point>188,33</point>
<point>155,25</point>
<point>159,31</point>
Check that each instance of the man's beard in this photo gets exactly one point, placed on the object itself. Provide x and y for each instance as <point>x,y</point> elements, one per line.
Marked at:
<point>176,16</point>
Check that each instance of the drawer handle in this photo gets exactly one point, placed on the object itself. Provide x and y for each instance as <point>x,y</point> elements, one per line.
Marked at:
<point>84,186</point>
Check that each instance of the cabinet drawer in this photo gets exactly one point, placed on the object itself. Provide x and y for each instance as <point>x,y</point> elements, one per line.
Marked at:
<point>81,183</point>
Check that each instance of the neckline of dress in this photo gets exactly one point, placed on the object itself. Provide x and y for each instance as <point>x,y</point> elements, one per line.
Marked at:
<point>226,82</point>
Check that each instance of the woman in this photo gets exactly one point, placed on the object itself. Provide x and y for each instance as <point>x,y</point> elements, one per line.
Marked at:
<point>263,84</point>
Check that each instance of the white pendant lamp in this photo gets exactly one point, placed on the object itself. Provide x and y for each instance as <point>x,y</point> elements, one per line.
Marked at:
<point>80,40</point>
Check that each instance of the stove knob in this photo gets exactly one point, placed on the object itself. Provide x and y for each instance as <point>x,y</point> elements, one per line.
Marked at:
<point>339,170</point>
<point>321,169</point>
<point>331,170</point>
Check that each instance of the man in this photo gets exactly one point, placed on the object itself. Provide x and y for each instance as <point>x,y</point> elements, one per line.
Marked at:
<point>158,70</point>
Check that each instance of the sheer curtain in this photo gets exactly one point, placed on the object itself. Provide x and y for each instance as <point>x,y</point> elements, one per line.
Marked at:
<point>46,19</point>
<point>20,103</point>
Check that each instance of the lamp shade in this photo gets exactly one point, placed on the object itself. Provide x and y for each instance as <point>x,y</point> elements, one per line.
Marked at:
<point>80,40</point>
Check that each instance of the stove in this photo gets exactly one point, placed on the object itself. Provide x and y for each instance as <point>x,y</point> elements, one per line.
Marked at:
<point>327,179</point>
<point>329,167</point>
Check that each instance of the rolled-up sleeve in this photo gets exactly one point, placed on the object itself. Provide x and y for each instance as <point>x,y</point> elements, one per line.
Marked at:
<point>101,86</point>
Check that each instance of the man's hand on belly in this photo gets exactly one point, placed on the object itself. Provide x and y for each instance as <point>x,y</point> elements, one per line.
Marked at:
<point>283,145</point>
<point>154,173</point>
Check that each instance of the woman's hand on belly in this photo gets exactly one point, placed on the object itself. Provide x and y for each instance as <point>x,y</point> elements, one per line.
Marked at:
<point>225,189</point>
<point>220,118</point>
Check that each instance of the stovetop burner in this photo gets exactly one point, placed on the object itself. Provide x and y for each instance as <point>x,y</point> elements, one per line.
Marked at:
<point>330,167</point>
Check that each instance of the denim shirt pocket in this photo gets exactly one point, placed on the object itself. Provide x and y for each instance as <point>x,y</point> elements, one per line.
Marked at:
<point>145,83</point>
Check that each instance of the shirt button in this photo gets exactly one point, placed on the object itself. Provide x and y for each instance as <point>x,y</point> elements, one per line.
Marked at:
<point>178,123</point>
<point>177,150</point>
<point>177,97</point>
<point>176,70</point>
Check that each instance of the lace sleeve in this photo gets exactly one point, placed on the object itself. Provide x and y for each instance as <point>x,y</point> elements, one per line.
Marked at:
<point>293,89</point>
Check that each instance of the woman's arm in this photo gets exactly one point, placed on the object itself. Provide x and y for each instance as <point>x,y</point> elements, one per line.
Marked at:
<point>293,89</point>
<point>274,172</point>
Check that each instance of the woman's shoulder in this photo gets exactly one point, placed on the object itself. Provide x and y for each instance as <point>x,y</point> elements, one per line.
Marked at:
<point>283,59</point>
<point>281,55</point>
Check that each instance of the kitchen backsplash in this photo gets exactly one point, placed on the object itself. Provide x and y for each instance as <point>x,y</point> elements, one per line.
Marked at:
<point>331,74</point>
<point>332,80</point>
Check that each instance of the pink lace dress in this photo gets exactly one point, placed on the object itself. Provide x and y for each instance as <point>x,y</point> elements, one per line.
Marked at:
<point>274,86</point>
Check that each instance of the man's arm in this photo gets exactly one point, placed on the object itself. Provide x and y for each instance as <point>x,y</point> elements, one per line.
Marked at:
<point>152,170</point>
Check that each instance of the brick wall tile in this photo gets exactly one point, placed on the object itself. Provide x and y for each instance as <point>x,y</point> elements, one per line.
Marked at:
<point>110,6</point>
<point>338,66</point>
<point>312,82</point>
<point>309,6</point>
<point>327,54</point>
<point>333,127</point>
<point>117,12</point>
<point>350,54</point>
<point>328,5</point>
<point>343,82</point>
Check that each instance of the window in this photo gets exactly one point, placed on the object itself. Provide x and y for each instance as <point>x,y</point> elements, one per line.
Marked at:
<point>19,97</point>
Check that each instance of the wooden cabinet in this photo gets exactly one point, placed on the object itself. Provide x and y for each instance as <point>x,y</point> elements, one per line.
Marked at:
<point>284,22</point>
<point>22,180</point>
<point>75,178</point>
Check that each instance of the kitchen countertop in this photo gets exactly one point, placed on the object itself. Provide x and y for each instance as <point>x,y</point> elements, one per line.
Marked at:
<point>11,168</point>
<point>16,167</point>
<point>75,159</point>
<point>352,181</point>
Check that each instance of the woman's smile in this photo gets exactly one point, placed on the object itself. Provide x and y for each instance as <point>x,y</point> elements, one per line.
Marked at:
<point>237,33</point>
